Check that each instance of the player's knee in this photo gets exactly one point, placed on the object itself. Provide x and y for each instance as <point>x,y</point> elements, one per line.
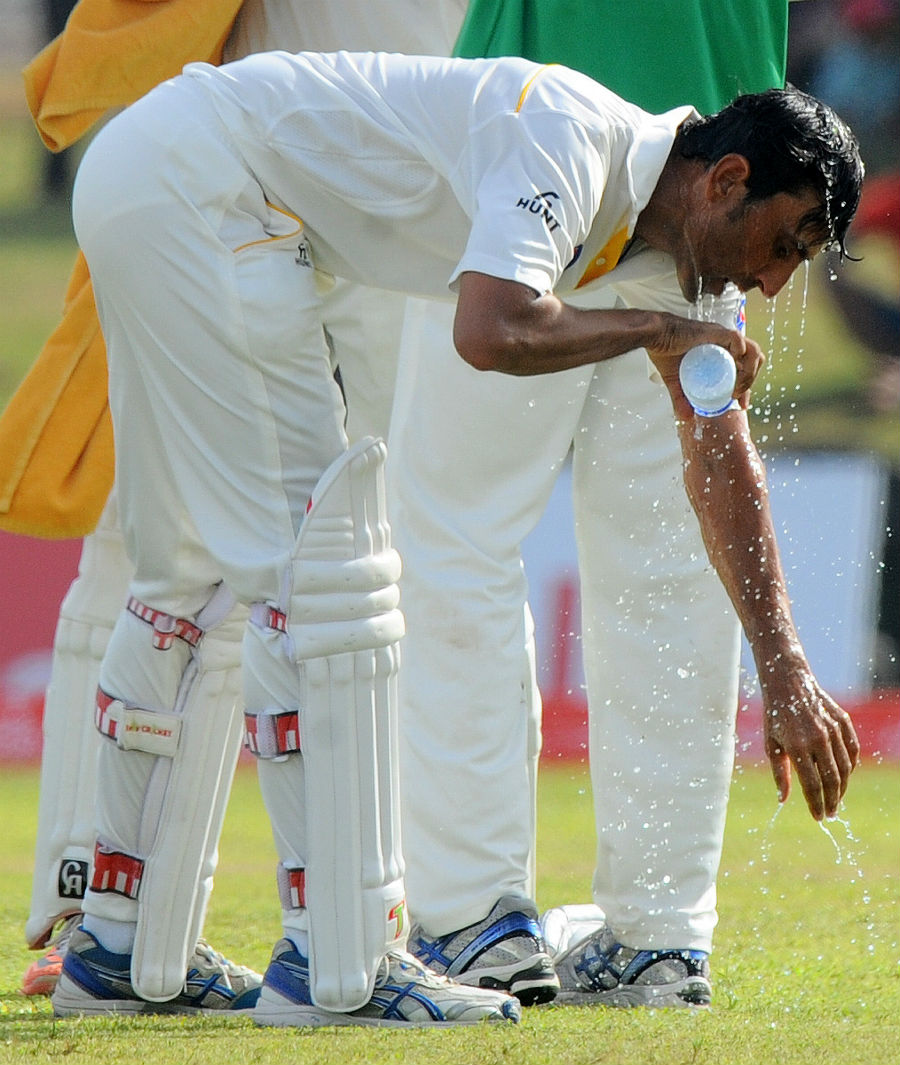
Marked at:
<point>152,662</point>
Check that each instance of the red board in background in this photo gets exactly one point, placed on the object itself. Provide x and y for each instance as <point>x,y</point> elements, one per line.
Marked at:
<point>875,717</point>
<point>37,573</point>
<point>34,577</point>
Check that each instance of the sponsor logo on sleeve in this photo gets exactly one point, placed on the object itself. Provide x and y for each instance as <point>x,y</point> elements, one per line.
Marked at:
<point>541,204</point>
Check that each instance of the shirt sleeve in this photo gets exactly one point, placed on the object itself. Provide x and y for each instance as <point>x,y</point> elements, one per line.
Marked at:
<point>533,186</point>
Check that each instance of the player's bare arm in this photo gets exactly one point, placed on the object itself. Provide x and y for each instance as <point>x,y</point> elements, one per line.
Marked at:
<point>506,326</point>
<point>726,483</point>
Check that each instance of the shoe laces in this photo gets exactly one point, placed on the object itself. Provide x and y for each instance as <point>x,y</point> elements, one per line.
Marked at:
<point>207,958</point>
<point>410,966</point>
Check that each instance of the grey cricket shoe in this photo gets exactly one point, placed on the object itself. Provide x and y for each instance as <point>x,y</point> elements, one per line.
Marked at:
<point>95,981</point>
<point>406,995</point>
<point>594,969</point>
<point>505,951</point>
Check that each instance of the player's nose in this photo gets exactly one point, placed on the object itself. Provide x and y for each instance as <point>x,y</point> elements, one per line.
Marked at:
<point>772,279</point>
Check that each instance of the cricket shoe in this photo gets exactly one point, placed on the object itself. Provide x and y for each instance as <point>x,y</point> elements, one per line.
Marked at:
<point>594,969</point>
<point>95,981</point>
<point>406,995</point>
<point>505,952</point>
<point>42,975</point>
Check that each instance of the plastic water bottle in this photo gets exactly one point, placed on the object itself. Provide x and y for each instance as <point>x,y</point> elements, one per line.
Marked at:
<point>707,374</point>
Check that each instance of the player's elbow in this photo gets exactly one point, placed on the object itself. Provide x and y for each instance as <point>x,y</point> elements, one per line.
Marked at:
<point>493,348</point>
<point>494,327</point>
<point>483,357</point>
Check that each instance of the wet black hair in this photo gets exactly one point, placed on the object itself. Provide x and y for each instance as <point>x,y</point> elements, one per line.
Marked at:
<point>792,142</point>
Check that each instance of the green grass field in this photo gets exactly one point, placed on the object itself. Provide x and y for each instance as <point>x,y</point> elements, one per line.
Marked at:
<point>805,968</point>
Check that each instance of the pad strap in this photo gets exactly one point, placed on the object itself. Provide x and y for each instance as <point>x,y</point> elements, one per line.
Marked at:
<point>266,616</point>
<point>291,887</point>
<point>271,734</point>
<point>166,628</point>
<point>134,729</point>
<point>116,872</point>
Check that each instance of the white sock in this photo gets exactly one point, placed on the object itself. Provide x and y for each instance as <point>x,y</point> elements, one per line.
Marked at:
<point>116,936</point>
<point>300,939</point>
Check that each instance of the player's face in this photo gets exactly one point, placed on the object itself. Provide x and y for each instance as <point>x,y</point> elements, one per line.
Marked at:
<point>753,245</point>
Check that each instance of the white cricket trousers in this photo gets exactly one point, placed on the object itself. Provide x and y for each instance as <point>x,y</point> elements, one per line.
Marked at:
<point>224,405</point>
<point>472,463</point>
<point>221,389</point>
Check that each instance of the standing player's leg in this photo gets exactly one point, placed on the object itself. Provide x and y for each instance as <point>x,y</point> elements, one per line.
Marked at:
<point>661,647</point>
<point>470,710</point>
<point>64,847</point>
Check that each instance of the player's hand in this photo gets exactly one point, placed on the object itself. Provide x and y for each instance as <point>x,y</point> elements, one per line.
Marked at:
<point>805,728</point>
<point>682,334</point>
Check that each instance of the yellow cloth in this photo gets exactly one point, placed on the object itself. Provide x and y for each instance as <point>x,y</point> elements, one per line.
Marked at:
<point>113,51</point>
<point>56,434</point>
<point>56,444</point>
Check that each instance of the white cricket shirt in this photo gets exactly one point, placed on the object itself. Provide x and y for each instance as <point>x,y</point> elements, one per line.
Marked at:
<point>409,171</point>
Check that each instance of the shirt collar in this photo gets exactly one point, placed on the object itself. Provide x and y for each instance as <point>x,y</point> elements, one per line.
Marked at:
<point>647,156</point>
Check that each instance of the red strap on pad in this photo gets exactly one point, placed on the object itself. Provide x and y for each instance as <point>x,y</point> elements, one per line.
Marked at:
<point>116,872</point>
<point>166,628</point>
<point>292,888</point>
<point>271,735</point>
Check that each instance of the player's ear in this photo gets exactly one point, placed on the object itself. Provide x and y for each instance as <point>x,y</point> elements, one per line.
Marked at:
<point>727,177</point>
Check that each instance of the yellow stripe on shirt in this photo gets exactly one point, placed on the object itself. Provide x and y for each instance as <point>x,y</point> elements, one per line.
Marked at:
<point>529,83</point>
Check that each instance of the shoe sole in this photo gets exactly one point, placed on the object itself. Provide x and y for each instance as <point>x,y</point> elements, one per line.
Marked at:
<point>693,993</point>
<point>274,1011</point>
<point>533,986</point>
<point>69,1000</point>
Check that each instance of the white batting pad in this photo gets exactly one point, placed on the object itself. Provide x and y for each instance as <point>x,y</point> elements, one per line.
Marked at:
<point>65,834</point>
<point>344,624</point>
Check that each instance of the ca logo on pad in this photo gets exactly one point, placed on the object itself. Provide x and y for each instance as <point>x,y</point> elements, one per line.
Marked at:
<point>73,878</point>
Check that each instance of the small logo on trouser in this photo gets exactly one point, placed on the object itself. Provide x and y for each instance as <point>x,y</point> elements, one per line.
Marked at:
<point>73,878</point>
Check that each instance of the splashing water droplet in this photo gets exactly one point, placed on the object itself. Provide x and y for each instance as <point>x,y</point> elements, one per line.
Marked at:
<point>830,835</point>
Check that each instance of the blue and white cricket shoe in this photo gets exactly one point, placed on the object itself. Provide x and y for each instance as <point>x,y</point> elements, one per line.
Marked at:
<point>505,952</point>
<point>406,995</point>
<point>94,981</point>
<point>594,969</point>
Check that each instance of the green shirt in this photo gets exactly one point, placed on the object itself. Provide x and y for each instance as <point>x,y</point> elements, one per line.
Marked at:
<point>655,53</point>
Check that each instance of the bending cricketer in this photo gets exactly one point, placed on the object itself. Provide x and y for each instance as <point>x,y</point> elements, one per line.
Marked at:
<point>209,213</point>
